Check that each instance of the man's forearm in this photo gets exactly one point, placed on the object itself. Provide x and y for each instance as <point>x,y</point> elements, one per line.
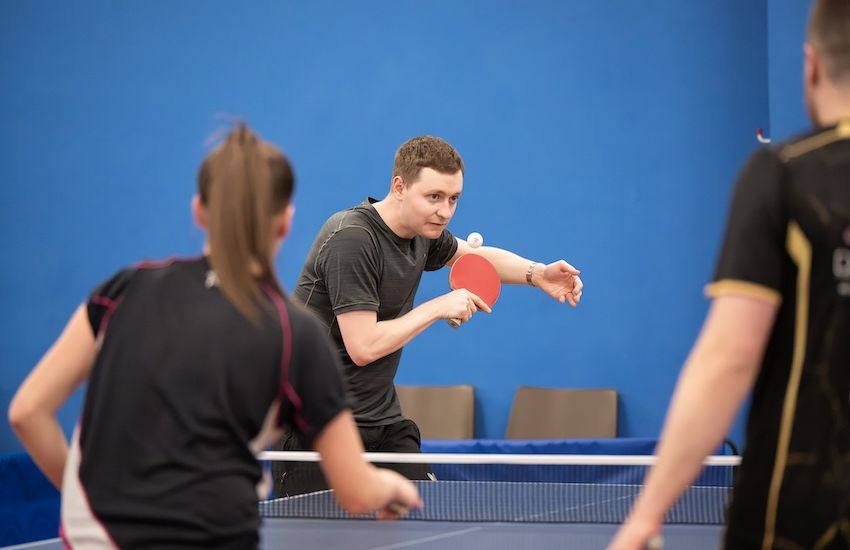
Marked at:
<point>703,408</point>
<point>390,336</point>
<point>512,267</point>
<point>714,383</point>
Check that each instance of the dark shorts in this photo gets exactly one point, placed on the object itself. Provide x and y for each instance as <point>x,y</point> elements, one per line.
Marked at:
<point>295,478</point>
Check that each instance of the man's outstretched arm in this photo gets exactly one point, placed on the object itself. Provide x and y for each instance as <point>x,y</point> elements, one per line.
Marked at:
<point>558,279</point>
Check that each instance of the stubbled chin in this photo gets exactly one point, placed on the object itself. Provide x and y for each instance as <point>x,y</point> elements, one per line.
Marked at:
<point>433,231</point>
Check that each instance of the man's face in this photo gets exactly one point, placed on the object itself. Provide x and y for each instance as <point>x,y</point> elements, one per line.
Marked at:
<point>430,202</point>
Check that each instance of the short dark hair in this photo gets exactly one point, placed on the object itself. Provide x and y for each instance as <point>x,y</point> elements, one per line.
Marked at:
<point>829,33</point>
<point>425,152</point>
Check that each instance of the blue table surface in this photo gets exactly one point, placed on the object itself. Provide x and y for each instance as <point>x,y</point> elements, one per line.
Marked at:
<point>431,535</point>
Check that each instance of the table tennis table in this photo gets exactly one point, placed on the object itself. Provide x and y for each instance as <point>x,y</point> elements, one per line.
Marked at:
<point>353,534</point>
<point>490,515</point>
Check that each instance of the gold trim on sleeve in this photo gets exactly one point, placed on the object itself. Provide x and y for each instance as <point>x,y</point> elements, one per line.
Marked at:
<point>727,287</point>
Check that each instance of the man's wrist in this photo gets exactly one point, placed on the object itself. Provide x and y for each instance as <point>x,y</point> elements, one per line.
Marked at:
<point>529,275</point>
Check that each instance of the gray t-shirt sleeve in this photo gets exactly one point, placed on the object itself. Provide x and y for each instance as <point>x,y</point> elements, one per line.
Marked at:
<point>441,251</point>
<point>349,263</point>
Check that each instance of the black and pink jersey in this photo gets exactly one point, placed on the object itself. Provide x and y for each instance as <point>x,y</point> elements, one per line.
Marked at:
<point>180,389</point>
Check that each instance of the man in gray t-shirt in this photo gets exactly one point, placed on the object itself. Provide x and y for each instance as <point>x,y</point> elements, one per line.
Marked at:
<point>361,275</point>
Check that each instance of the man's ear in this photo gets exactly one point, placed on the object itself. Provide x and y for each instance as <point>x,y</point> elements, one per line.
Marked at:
<point>812,69</point>
<point>199,212</point>
<point>397,187</point>
<point>284,221</point>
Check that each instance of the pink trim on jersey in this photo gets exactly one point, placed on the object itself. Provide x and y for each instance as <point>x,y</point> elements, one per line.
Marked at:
<point>110,305</point>
<point>286,388</point>
<point>62,535</point>
<point>171,260</point>
<point>155,264</point>
<point>105,301</point>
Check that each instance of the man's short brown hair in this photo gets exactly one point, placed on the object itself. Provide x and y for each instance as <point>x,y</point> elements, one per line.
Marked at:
<point>425,152</point>
<point>829,33</point>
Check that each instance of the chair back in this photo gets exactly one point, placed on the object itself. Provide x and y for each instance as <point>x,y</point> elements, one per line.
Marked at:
<point>554,413</point>
<point>441,412</point>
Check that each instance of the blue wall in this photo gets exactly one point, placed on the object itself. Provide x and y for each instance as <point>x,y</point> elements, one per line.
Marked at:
<point>605,134</point>
<point>786,26</point>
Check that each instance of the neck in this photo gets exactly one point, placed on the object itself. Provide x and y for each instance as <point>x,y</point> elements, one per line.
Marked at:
<point>390,212</point>
<point>833,105</point>
<point>255,268</point>
<point>834,115</point>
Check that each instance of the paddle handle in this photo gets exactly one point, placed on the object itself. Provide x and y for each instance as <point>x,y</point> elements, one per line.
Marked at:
<point>454,323</point>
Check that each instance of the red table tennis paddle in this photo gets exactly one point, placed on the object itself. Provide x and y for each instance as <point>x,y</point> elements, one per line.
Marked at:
<point>477,275</point>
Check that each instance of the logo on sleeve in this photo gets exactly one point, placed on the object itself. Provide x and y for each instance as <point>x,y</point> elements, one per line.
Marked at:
<point>211,280</point>
<point>841,265</point>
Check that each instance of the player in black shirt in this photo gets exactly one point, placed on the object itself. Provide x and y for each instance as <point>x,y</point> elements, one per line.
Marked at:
<point>779,323</point>
<point>193,366</point>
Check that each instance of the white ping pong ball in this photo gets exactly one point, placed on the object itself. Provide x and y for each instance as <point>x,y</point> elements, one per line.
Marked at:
<point>475,240</point>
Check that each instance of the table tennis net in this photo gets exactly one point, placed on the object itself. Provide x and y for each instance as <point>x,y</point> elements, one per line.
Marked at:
<point>515,488</point>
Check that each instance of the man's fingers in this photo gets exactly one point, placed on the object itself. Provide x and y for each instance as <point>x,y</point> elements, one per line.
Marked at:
<point>479,303</point>
<point>578,285</point>
<point>567,268</point>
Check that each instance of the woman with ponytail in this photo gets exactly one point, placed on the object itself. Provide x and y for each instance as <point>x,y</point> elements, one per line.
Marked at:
<point>193,366</point>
